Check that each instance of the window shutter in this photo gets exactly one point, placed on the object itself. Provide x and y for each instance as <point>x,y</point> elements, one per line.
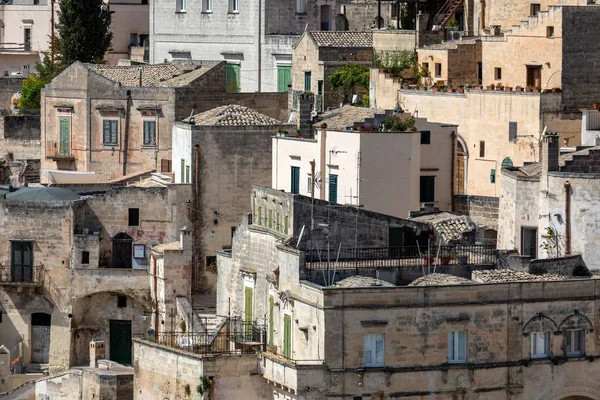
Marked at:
<point>271,320</point>
<point>146,133</point>
<point>462,345</point>
<point>114,131</point>
<point>285,224</point>
<point>106,131</point>
<point>368,350</point>
<point>379,350</point>
<point>307,79</point>
<point>512,131</point>
<point>333,188</point>
<point>295,180</point>
<point>450,346</point>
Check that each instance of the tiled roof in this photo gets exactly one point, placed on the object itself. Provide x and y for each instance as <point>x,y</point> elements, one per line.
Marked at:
<point>164,75</point>
<point>509,275</point>
<point>342,38</point>
<point>361,281</point>
<point>347,116</point>
<point>449,226</point>
<point>233,115</point>
<point>439,279</point>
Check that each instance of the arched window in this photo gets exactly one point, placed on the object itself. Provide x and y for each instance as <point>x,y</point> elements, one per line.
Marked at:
<point>507,162</point>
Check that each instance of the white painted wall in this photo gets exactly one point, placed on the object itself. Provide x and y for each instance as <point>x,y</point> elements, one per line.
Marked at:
<point>182,150</point>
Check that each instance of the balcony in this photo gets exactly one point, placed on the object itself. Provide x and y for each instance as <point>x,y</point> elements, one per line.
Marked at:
<point>21,276</point>
<point>16,48</point>
<point>292,374</point>
<point>59,151</point>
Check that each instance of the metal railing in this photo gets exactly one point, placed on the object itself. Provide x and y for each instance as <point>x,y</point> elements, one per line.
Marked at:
<point>57,150</point>
<point>21,275</point>
<point>237,337</point>
<point>392,257</point>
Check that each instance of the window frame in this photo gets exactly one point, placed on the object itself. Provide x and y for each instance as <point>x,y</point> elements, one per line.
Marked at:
<point>181,6</point>
<point>148,123</point>
<point>422,197</point>
<point>234,6</point>
<point>569,342</point>
<point>454,339</point>
<point>370,341</point>
<point>300,6</point>
<point>425,137</point>
<point>534,341</point>
<point>112,141</point>
<point>207,6</point>
<point>437,73</point>
<point>482,149</point>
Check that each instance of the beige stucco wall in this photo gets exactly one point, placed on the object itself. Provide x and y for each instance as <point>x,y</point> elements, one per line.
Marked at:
<point>130,16</point>
<point>393,40</point>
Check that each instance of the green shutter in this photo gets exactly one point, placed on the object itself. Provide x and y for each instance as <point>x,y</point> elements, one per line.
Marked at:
<point>333,188</point>
<point>182,171</point>
<point>187,174</point>
<point>493,176</point>
<point>248,312</point>
<point>260,215</point>
<point>270,219</point>
<point>295,180</point>
<point>114,131</point>
<point>64,148</point>
<point>106,131</point>
<point>285,224</point>
<point>307,79</point>
<point>232,78</point>
<point>287,336</point>
<point>149,132</point>
<point>284,77</point>
<point>278,222</point>
<point>271,320</point>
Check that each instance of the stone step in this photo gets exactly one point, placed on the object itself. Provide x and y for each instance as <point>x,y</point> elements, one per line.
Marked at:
<point>37,369</point>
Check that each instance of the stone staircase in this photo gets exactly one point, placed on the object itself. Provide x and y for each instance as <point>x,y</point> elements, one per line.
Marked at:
<point>37,369</point>
<point>551,17</point>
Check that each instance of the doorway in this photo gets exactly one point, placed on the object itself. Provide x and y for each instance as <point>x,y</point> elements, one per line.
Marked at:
<point>40,338</point>
<point>121,253</point>
<point>461,168</point>
<point>120,341</point>
<point>534,76</point>
<point>325,18</point>
<point>529,242</point>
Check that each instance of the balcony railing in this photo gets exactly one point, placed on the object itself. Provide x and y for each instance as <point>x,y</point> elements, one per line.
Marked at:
<point>59,151</point>
<point>16,47</point>
<point>21,275</point>
<point>393,257</point>
<point>236,338</point>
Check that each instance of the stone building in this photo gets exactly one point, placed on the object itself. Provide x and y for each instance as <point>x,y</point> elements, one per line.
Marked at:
<point>357,164</point>
<point>75,268</point>
<point>20,149</point>
<point>130,28</point>
<point>254,38</point>
<point>221,152</point>
<point>318,54</point>
<point>547,209</point>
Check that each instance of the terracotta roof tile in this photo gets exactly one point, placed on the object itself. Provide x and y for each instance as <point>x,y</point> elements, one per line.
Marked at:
<point>342,38</point>
<point>233,115</point>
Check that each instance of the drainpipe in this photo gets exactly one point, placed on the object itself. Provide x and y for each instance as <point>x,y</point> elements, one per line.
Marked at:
<point>567,218</point>
<point>260,3</point>
<point>452,171</point>
<point>323,160</point>
<point>196,252</point>
<point>156,314</point>
<point>126,136</point>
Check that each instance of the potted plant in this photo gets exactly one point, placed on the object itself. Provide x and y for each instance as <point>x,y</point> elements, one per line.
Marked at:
<point>435,88</point>
<point>491,87</point>
<point>556,90</point>
<point>518,89</point>
<point>450,89</point>
<point>529,89</point>
<point>282,133</point>
<point>508,88</point>
<point>596,103</point>
<point>499,86</point>
<point>460,90</point>
<point>536,89</point>
<point>478,87</point>
<point>453,24</point>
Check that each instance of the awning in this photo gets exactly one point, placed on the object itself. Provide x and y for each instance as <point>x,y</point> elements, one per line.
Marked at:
<point>72,177</point>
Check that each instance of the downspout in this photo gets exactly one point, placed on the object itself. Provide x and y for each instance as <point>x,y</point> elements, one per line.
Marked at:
<point>156,313</point>
<point>260,3</point>
<point>453,171</point>
<point>126,136</point>
<point>567,218</point>
<point>323,160</point>
<point>196,218</point>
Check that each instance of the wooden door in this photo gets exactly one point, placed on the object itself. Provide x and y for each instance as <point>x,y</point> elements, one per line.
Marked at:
<point>120,341</point>
<point>122,251</point>
<point>40,338</point>
<point>287,336</point>
<point>248,312</point>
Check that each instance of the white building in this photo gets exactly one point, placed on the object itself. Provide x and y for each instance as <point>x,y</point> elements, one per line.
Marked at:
<point>254,37</point>
<point>387,172</point>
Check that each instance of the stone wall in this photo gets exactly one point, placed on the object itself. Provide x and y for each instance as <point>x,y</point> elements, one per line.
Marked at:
<point>162,372</point>
<point>20,136</point>
<point>481,209</point>
<point>8,88</point>
<point>394,40</point>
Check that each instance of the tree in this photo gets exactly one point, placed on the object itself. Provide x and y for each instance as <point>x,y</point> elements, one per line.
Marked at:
<point>83,31</point>
<point>348,78</point>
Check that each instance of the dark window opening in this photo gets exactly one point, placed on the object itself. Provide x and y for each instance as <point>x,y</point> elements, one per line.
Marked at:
<point>134,217</point>
<point>22,261</point>
<point>512,131</point>
<point>438,70</point>
<point>529,242</point>
<point>121,301</point>
<point>481,149</point>
<point>550,31</point>
<point>427,189</point>
<point>211,262</point>
<point>85,257</point>
<point>497,73</point>
<point>425,137</point>
<point>534,9</point>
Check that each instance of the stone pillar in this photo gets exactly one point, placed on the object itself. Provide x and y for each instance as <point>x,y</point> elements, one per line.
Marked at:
<point>96,352</point>
<point>306,103</point>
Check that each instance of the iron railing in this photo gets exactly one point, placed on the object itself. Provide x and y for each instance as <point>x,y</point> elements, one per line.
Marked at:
<point>21,275</point>
<point>392,257</point>
<point>57,150</point>
<point>237,337</point>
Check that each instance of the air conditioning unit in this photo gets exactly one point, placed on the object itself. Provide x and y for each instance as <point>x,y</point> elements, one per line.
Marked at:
<point>455,35</point>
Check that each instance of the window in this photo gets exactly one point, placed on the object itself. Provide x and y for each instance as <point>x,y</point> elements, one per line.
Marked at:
<point>260,215</point>
<point>333,188</point>
<point>438,70</point>
<point>211,263</point>
<point>425,66</point>
<point>181,5</point>
<point>492,176</point>
<point>427,189</point>
<point>284,77</point>
<point>278,222</point>
<point>85,257</point>
<point>150,133</point>
<point>374,350</point>
<point>271,320</point>
<point>21,261</point>
<point>234,6</point>
<point>139,251</point>
<point>110,129</point>
<point>232,78</point>
<point>540,344</point>
<point>457,347</point>
<point>134,217</point>
<point>206,5</point>
<point>549,31</point>
<point>534,76</point>
<point>286,221</point>
<point>512,131</point>
<point>287,336</point>
<point>64,148</point>
<point>295,189</point>
<point>534,9</point>
<point>307,79</point>
<point>481,148</point>
<point>248,301</point>
<point>121,301</point>
<point>187,174</point>
<point>144,2</point>
<point>182,173</point>
<point>309,184</point>
<point>270,219</point>
<point>497,73</point>
<point>27,39</point>
<point>507,162</point>
<point>301,6</point>
<point>529,242</point>
<point>575,342</point>
<point>425,137</point>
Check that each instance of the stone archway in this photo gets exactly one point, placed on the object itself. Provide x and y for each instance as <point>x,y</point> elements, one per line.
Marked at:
<point>462,158</point>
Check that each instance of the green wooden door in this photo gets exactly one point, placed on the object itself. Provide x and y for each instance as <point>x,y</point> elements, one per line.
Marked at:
<point>232,78</point>
<point>284,77</point>
<point>333,184</point>
<point>271,320</point>
<point>64,145</point>
<point>248,312</point>
<point>120,341</point>
<point>287,336</point>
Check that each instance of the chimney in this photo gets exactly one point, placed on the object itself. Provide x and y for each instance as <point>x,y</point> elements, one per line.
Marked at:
<point>185,238</point>
<point>550,152</point>
<point>305,107</point>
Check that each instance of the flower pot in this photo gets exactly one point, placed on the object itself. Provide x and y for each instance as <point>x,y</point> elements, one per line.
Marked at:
<point>528,90</point>
<point>491,87</point>
<point>461,90</point>
<point>596,106</point>
<point>425,260</point>
<point>518,89</point>
<point>499,88</point>
<point>435,89</point>
<point>450,90</point>
<point>508,89</point>
<point>536,90</point>
<point>479,87</point>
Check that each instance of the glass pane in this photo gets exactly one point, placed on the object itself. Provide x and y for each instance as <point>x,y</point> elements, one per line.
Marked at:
<point>450,345</point>
<point>368,350</point>
<point>26,255</point>
<point>379,351</point>
<point>462,345</point>
<point>17,254</point>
